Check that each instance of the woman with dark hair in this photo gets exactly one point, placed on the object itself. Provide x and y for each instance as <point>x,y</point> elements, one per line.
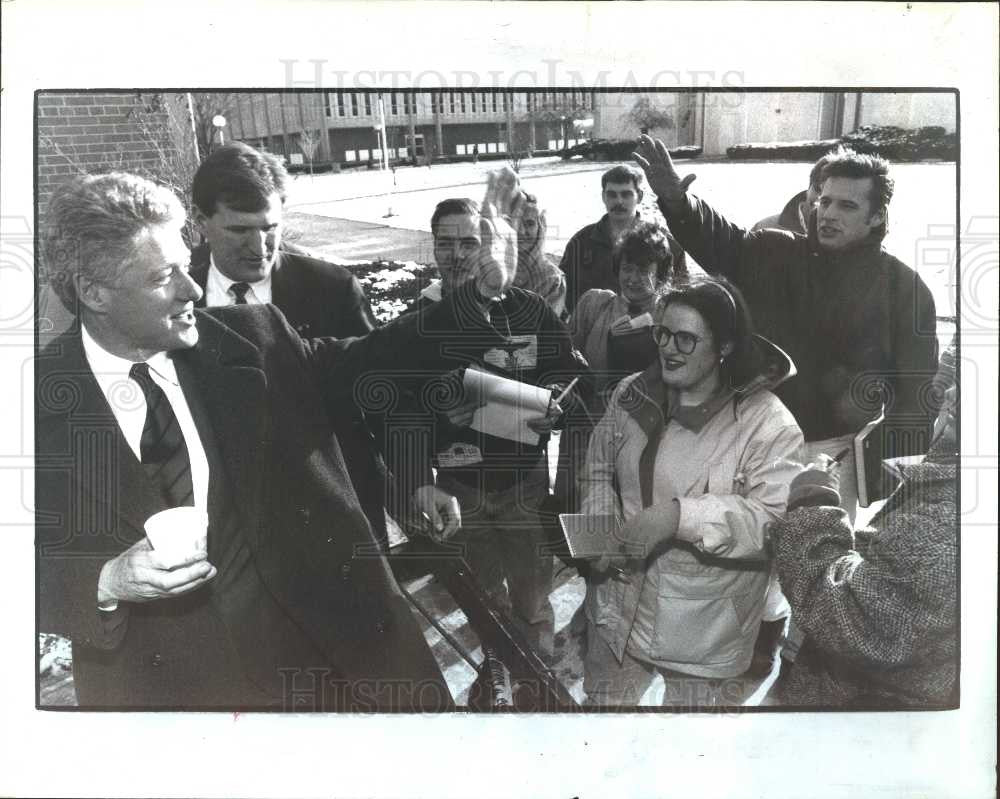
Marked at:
<point>692,458</point>
<point>613,329</point>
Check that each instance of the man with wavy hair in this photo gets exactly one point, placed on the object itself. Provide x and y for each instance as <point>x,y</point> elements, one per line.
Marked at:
<point>148,404</point>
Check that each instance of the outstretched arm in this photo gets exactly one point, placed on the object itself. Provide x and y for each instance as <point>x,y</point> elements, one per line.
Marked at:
<point>713,241</point>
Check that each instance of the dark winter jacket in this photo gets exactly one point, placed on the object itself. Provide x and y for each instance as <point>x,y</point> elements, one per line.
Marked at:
<point>859,325</point>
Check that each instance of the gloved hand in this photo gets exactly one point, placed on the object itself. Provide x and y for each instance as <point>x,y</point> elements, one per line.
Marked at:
<point>818,485</point>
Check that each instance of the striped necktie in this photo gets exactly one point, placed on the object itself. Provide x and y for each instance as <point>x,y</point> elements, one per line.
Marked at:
<point>164,453</point>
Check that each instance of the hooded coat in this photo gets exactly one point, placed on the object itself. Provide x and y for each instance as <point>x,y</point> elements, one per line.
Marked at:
<point>730,467</point>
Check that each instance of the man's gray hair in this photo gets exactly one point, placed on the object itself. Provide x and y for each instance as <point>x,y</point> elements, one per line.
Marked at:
<point>92,224</point>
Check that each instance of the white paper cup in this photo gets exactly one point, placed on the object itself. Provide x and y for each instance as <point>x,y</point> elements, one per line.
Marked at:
<point>178,533</point>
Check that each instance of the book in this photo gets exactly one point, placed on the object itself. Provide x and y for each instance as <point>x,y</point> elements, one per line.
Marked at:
<point>876,480</point>
<point>590,536</point>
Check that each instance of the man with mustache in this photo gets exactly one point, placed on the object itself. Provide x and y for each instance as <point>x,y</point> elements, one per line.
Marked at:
<point>586,261</point>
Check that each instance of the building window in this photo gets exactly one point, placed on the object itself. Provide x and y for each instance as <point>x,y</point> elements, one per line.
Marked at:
<point>451,101</point>
<point>368,104</point>
<point>354,105</point>
<point>494,102</point>
<point>484,102</point>
<point>350,155</point>
<point>340,104</point>
<point>461,100</point>
<point>503,101</point>
<point>502,147</point>
<point>473,94</point>
<point>329,103</point>
<point>393,107</point>
<point>459,149</point>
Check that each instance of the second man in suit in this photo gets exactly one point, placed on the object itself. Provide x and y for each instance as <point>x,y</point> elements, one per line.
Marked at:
<point>239,194</point>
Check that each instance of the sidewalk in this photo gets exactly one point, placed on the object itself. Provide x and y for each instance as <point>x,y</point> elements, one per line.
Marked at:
<point>347,241</point>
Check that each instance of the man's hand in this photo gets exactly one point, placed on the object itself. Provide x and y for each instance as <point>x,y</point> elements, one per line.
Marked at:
<point>461,415</point>
<point>441,508</point>
<point>500,215</point>
<point>547,423</point>
<point>139,574</point>
<point>659,168</point>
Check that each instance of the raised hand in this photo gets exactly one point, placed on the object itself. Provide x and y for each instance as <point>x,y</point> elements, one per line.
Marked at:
<point>500,212</point>
<point>140,574</point>
<point>663,179</point>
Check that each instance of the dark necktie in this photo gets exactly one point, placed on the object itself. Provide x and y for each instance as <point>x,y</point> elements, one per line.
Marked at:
<point>499,319</point>
<point>240,292</point>
<point>164,453</point>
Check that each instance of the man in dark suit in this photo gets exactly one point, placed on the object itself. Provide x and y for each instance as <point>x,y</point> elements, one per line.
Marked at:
<point>147,404</point>
<point>238,194</point>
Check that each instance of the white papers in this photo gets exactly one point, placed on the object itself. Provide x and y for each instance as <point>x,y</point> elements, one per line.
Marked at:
<point>627,324</point>
<point>509,405</point>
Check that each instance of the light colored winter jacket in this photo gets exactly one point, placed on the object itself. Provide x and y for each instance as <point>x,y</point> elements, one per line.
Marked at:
<point>734,472</point>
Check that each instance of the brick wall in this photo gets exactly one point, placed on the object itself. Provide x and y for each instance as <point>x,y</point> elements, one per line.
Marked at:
<point>80,133</point>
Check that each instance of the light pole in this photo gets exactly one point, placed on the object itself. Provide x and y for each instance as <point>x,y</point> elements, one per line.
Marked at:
<point>219,122</point>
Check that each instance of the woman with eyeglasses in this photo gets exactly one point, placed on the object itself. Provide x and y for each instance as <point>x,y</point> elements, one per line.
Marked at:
<point>689,463</point>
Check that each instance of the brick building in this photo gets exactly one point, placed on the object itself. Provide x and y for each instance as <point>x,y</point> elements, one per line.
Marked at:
<point>81,132</point>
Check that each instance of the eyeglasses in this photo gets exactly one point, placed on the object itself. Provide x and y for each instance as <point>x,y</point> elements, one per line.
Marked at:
<point>684,341</point>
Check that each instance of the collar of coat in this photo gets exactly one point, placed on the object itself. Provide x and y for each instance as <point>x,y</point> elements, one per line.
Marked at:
<point>601,231</point>
<point>648,400</point>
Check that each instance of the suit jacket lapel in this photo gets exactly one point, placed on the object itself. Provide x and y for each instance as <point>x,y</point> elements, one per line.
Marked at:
<point>224,383</point>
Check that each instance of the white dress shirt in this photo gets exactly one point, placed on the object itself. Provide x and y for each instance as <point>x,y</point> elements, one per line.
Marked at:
<point>217,287</point>
<point>128,404</point>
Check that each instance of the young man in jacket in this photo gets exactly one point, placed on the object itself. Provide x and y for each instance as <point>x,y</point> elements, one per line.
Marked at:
<point>858,323</point>
<point>479,320</point>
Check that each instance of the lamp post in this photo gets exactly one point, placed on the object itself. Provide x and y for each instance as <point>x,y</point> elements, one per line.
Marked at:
<point>219,122</point>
